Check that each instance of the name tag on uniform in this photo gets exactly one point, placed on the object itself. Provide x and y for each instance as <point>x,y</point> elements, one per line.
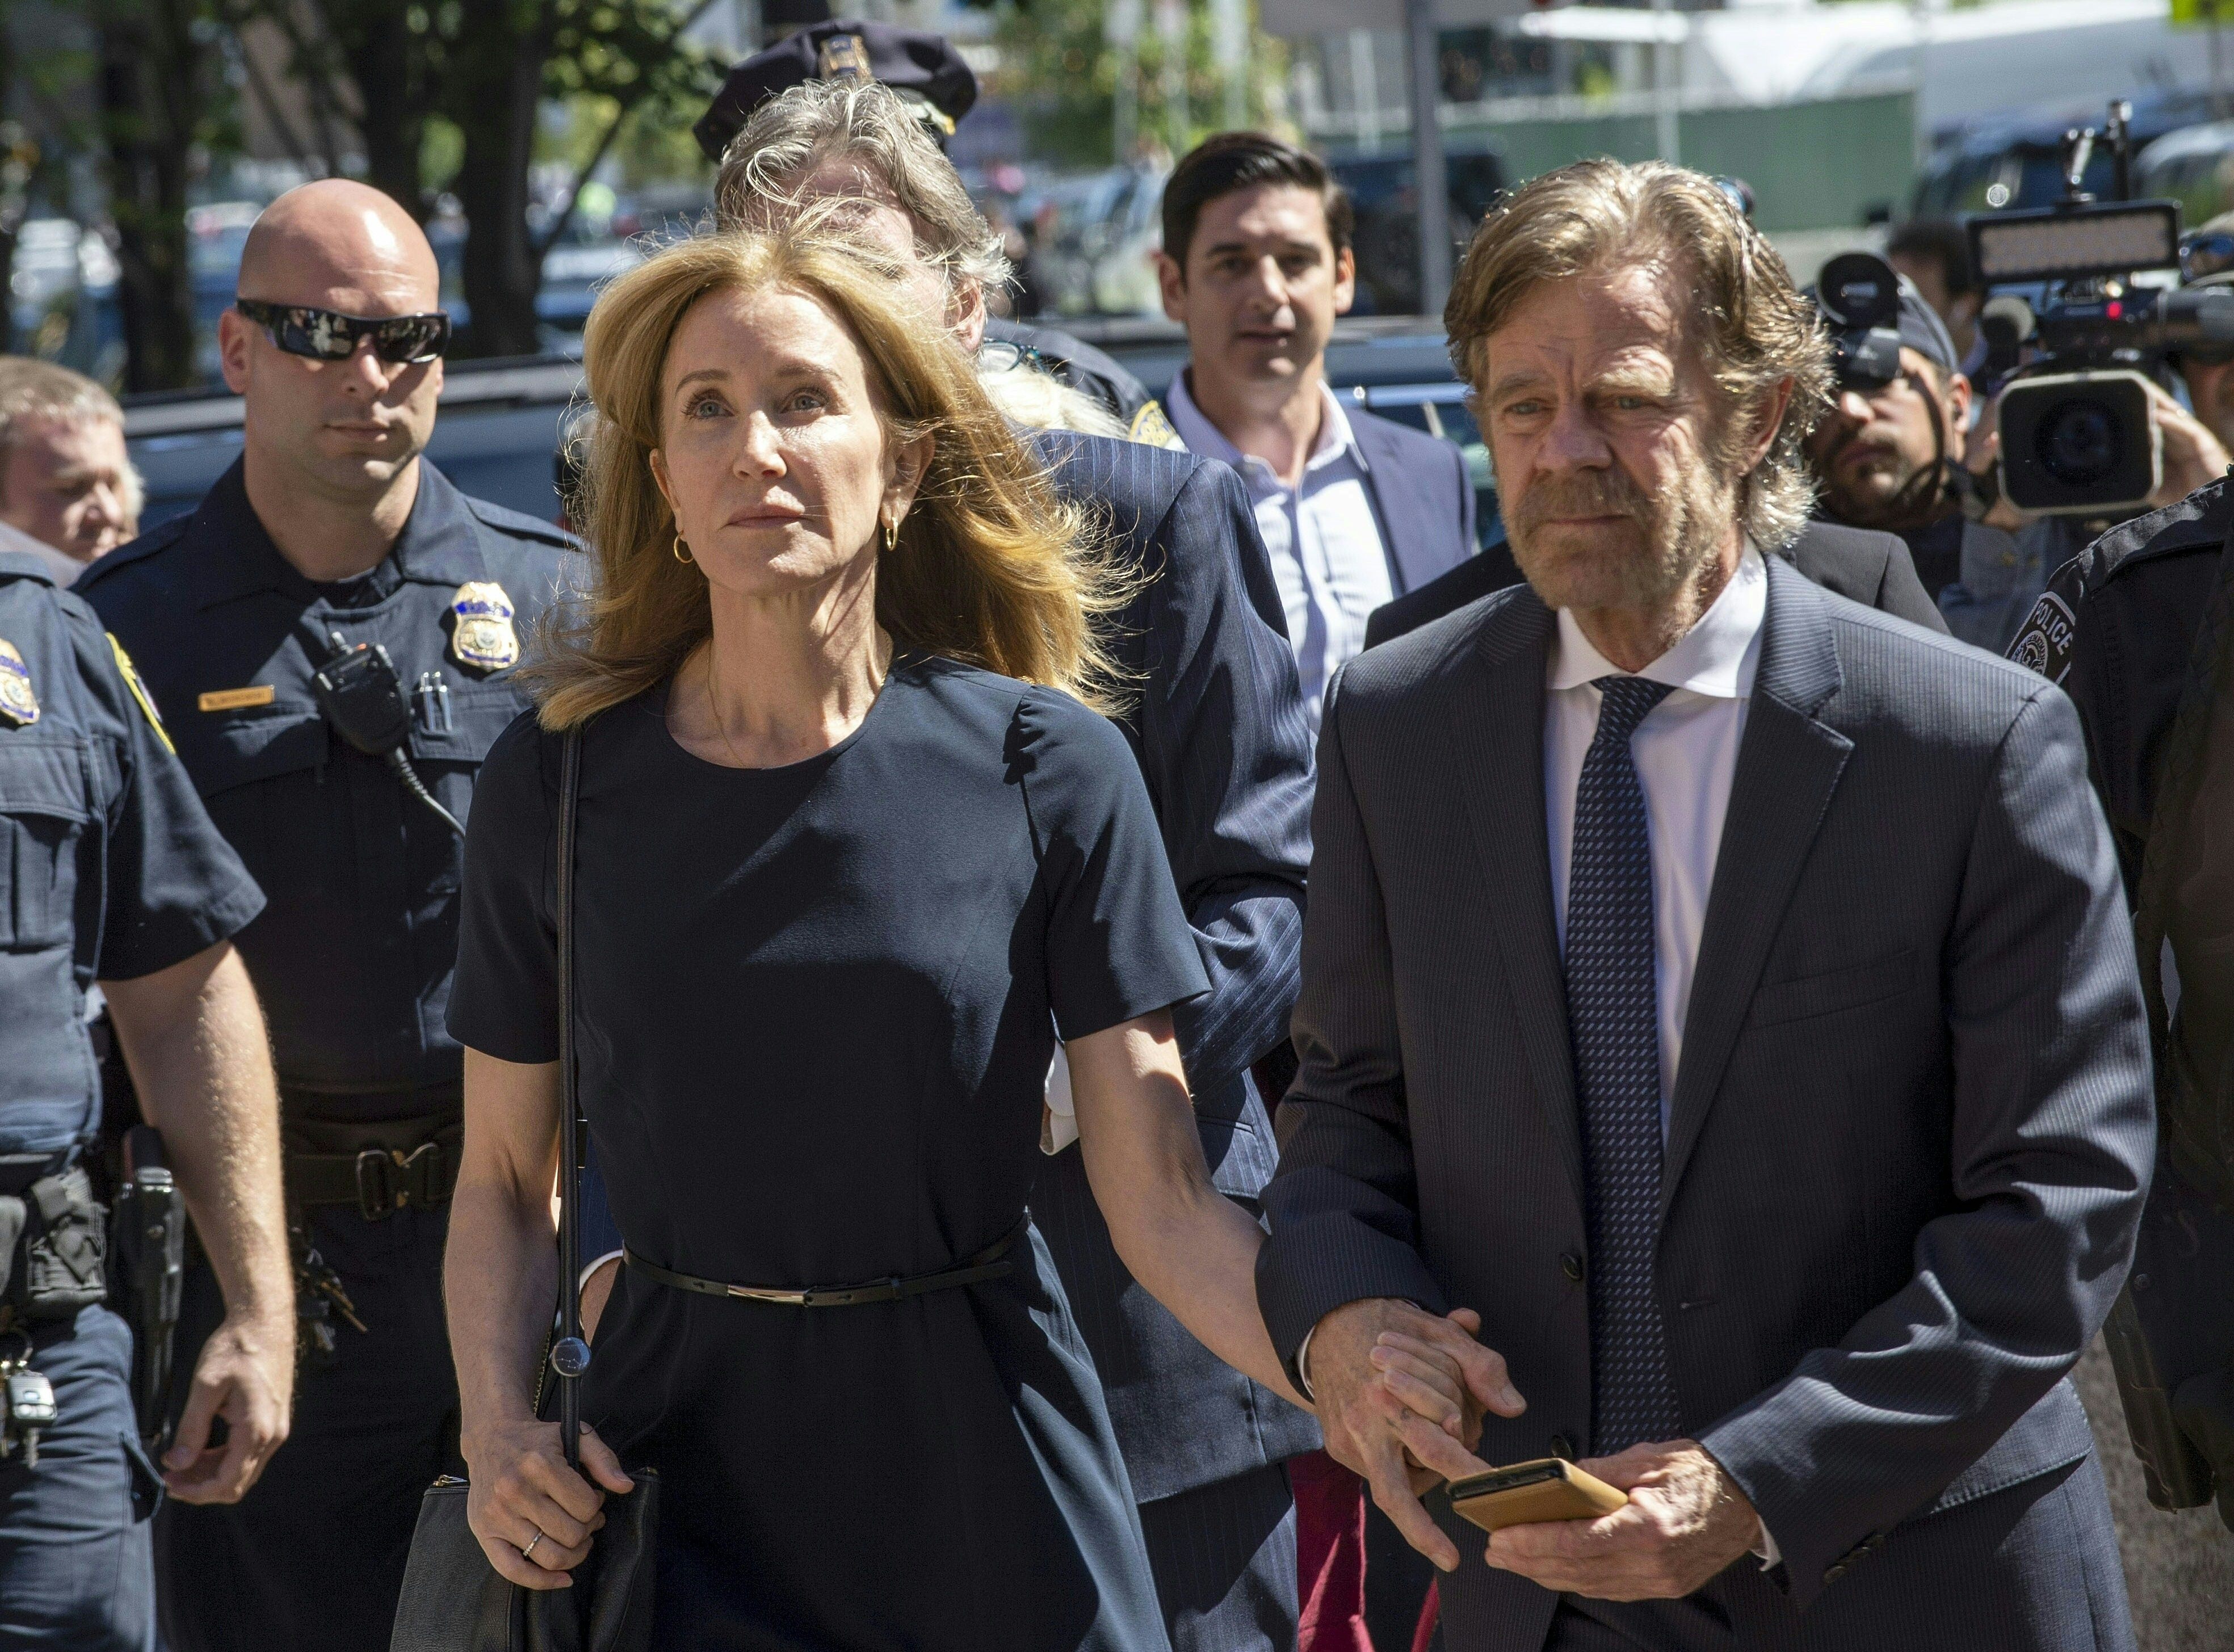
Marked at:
<point>235,699</point>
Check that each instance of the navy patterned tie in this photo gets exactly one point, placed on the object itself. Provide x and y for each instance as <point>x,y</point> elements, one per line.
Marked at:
<point>1613,1021</point>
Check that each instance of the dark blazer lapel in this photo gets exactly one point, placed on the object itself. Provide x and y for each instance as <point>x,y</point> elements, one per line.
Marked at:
<point>1788,765</point>
<point>1496,733</point>
<point>1392,504</point>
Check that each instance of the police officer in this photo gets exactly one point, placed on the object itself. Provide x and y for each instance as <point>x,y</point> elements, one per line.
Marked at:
<point>331,538</point>
<point>2139,630</point>
<point>111,872</point>
<point>926,71</point>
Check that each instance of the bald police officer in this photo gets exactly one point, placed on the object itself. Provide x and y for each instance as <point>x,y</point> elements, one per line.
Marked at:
<point>332,550</point>
<point>111,872</point>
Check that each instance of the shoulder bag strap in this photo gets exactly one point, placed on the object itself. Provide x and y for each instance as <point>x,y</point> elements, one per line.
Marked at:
<point>570,1354</point>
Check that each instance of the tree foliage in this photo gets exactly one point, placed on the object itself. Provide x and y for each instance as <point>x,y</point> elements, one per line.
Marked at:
<point>1063,75</point>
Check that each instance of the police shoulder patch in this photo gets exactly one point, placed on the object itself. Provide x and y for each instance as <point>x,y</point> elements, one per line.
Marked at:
<point>2045,642</point>
<point>131,676</point>
<point>1152,427</point>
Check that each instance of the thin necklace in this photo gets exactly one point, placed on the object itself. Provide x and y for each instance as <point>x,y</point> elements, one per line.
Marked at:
<point>714,700</point>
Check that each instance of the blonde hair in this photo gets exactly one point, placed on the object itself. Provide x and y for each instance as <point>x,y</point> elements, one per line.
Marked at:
<point>1752,322</point>
<point>991,568</point>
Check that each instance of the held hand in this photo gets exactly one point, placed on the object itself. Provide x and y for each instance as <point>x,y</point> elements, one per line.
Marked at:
<point>245,1376</point>
<point>1686,1520</point>
<point>1368,1407</point>
<point>2193,457</point>
<point>533,1515</point>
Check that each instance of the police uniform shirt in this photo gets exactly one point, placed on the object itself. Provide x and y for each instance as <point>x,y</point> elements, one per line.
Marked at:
<point>109,867</point>
<point>353,957</point>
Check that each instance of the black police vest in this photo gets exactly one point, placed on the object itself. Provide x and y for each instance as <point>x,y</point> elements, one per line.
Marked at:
<point>2185,905</point>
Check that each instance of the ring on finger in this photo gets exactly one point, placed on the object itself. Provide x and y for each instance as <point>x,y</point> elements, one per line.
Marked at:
<point>528,1551</point>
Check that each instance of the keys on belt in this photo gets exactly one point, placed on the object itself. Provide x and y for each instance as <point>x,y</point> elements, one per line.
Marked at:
<point>27,1406</point>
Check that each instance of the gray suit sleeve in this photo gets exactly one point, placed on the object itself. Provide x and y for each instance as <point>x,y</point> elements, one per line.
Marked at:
<point>1344,1206</point>
<point>2051,1141</point>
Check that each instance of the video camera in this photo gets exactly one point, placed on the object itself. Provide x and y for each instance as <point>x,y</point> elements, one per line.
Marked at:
<point>1858,295</point>
<point>2078,436</point>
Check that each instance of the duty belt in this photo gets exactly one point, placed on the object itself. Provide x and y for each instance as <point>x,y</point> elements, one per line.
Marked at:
<point>991,1263</point>
<point>403,1164</point>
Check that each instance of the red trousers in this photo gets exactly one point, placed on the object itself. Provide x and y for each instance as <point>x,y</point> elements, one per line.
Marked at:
<point>1329,1555</point>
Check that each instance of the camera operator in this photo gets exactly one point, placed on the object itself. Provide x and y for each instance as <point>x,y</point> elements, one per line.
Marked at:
<point>1889,453</point>
<point>2139,630</point>
<point>1997,585</point>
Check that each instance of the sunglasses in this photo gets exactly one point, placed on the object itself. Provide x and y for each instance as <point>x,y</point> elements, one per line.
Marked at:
<point>324,336</point>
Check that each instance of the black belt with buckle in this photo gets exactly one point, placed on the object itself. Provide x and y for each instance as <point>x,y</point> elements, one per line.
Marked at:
<point>400,1164</point>
<point>991,1263</point>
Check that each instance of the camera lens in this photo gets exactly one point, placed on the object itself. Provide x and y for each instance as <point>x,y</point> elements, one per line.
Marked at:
<point>2079,442</point>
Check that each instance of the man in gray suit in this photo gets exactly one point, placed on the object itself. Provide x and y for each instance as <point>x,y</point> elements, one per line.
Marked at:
<point>1788,1181</point>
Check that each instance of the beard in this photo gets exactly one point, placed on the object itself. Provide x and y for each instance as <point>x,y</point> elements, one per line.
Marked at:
<point>1888,491</point>
<point>1640,562</point>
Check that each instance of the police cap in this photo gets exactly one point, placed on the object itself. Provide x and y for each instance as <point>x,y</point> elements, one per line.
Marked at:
<point>925,69</point>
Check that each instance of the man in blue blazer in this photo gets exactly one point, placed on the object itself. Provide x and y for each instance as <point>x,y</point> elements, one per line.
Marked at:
<point>1354,510</point>
<point>1726,991</point>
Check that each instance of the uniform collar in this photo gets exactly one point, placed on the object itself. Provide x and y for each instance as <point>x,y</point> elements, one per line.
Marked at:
<point>440,544</point>
<point>1717,658</point>
<point>1336,436</point>
<point>17,546</point>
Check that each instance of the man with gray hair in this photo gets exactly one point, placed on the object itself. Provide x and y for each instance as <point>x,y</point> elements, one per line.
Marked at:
<point>928,85</point>
<point>68,490</point>
<point>1220,735</point>
<point>1725,989</point>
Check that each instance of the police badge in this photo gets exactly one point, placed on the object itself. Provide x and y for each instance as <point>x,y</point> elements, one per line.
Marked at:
<point>484,636</point>
<point>17,704</point>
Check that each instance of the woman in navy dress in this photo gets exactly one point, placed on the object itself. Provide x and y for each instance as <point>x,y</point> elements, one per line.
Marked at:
<point>852,857</point>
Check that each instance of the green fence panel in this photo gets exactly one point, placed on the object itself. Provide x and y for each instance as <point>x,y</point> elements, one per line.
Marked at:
<point>1812,166</point>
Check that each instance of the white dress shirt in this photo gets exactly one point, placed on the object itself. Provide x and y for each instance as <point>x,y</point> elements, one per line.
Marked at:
<point>1324,540</point>
<point>1686,752</point>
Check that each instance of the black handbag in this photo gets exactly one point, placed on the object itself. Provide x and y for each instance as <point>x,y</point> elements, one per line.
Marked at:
<point>454,1600</point>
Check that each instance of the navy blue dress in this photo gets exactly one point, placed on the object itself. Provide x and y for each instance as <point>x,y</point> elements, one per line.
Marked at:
<point>817,1005</point>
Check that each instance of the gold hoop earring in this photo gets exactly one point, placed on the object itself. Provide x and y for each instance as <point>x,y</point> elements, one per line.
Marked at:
<point>682,551</point>
<point>892,534</point>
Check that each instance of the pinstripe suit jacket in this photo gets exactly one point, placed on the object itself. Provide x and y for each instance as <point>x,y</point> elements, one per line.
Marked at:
<point>1219,731</point>
<point>1909,1133</point>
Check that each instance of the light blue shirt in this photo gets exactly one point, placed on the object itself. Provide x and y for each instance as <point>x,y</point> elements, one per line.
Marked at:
<point>1323,539</point>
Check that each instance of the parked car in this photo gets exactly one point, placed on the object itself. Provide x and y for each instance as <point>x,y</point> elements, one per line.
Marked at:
<point>1383,191</point>
<point>2194,166</point>
<point>2017,160</point>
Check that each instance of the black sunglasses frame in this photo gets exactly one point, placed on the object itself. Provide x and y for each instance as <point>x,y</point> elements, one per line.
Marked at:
<point>296,328</point>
